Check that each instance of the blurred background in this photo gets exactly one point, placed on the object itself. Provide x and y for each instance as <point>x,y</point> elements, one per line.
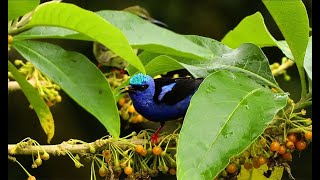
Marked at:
<point>213,19</point>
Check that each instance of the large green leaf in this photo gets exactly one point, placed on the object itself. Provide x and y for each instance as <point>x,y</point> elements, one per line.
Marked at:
<point>144,35</point>
<point>247,58</point>
<point>140,33</point>
<point>78,77</point>
<point>227,113</point>
<point>250,30</point>
<point>88,23</point>
<point>17,8</point>
<point>292,20</point>
<point>38,104</point>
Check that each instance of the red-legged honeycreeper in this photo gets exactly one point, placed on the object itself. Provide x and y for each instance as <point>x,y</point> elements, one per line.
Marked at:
<point>161,99</point>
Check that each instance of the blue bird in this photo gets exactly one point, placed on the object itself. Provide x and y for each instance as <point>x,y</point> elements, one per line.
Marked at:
<point>161,99</point>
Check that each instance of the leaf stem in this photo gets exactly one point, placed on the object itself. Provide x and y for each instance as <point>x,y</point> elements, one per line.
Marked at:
<point>303,81</point>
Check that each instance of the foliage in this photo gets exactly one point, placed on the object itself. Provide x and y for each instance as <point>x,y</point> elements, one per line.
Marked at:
<point>236,115</point>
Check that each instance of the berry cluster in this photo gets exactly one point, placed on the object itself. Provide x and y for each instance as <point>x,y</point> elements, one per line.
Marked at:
<point>288,132</point>
<point>48,90</point>
<point>136,161</point>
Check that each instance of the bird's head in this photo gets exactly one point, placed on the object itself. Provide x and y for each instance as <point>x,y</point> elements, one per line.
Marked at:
<point>139,84</point>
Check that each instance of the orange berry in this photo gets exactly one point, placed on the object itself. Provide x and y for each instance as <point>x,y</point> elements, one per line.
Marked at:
<point>128,170</point>
<point>308,135</point>
<point>274,146</point>
<point>139,118</point>
<point>172,171</point>
<point>287,156</point>
<point>256,164</point>
<point>156,150</point>
<point>102,171</point>
<point>122,101</point>
<point>301,145</point>
<point>290,144</point>
<point>139,148</point>
<point>292,137</point>
<point>262,160</point>
<point>231,168</point>
<point>144,152</point>
<point>31,178</point>
<point>282,149</point>
<point>247,165</point>
<point>131,109</point>
<point>10,39</point>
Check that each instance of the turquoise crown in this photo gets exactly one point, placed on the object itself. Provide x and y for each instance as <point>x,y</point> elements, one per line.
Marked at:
<point>138,79</point>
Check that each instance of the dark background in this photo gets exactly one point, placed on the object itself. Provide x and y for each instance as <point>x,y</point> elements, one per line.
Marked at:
<point>205,18</point>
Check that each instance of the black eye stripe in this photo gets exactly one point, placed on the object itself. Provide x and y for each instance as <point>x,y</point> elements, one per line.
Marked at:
<point>140,88</point>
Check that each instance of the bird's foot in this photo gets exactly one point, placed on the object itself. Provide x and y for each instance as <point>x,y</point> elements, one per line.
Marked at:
<point>154,138</point>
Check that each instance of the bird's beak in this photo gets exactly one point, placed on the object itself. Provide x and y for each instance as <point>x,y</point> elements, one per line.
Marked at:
<point>127,89</point>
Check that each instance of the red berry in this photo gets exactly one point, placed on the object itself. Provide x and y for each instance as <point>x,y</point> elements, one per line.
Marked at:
<point>247,165</point>
<point>287,156</point>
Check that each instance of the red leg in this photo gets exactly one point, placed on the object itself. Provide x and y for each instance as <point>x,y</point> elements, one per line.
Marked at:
<point>100,65</point>
<point>154,137</point>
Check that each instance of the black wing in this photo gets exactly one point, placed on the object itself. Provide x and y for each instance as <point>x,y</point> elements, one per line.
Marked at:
<point>184,87</point>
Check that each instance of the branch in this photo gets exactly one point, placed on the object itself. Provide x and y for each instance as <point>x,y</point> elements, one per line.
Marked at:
<point>282,67</point>
<point>14,85</point>
<point>83,148</point>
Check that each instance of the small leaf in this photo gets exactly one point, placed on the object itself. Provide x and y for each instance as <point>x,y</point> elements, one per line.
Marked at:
<point>41,32</point>
<point>227,113</point>
<point>17,8</point>
<point>88,23</point>
<point>254,173</point>
<point>251,29</point>
<point>78,77</point>
<point>307,64</point>
<point>40,107</point>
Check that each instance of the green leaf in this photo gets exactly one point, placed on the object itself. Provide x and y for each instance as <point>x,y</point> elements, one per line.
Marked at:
<point>248,58</point>
<point>227,113</point>
<point>88,23</point>
<point>251,29</point>
<point>258,173</point>
<point>41,32</point>
<point>77,76</point>
<point>308,59</point>
<point>292,20</point>
<point>38,104</point>
<point>140,33</point>
<point>17,8</point>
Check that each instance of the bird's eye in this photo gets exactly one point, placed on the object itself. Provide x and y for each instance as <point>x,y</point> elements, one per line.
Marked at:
<point>143,87</point>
